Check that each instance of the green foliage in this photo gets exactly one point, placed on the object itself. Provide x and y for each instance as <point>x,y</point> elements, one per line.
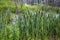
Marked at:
<point>37,22</point>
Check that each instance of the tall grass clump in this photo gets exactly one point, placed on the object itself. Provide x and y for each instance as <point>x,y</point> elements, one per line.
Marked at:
<point>37,22</point>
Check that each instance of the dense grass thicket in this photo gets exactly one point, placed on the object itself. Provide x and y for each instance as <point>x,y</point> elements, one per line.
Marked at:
<point>37,22</point>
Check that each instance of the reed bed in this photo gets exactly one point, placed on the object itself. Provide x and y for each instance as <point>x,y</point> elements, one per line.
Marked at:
<point>30,23</point>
